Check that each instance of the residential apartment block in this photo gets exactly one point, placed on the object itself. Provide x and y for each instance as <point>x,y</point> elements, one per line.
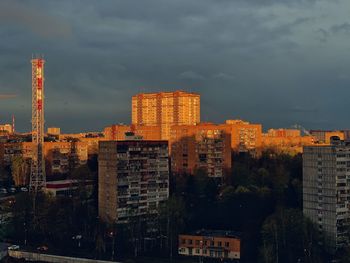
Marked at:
<point>6,128</point>
<point>204,146</point>
<point>133,178</point>
<point>211,244</point>
<point>61,157</point>
<point>288,141</point>
<point>324,137</point>
<point>165,109</point>
<point>326,191</point>
<point>117,132</point>
<point>245,136</point>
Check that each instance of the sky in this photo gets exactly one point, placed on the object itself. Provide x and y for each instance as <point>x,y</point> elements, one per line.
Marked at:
<point>275,62</point>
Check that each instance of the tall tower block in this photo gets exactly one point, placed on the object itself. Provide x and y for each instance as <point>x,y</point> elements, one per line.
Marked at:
<point>37,176</point>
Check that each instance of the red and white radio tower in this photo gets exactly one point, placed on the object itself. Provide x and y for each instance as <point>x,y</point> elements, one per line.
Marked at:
<point>37,176</point>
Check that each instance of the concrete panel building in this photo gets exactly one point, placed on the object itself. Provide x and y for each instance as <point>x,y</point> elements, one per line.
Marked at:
<point>245,136</point>
<point>165,109</point>
<point>133,178</point>
<point>204,146</point>
<point>326,191</point>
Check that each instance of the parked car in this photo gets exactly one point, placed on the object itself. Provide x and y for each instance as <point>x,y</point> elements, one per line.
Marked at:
<point>13,247</point>
<point>24,189</point>
<point>3,191</point>
<point>12,190</point>
<point>42,248</point>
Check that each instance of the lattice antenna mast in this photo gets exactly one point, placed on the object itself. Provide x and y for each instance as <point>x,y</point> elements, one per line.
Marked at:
<point>37,176</point>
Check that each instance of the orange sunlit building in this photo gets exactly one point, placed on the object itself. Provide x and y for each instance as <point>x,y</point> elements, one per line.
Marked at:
<point>204,146</point>
<point>211,244</point>
<point>324,137</point>
<point>288,141</point>
<point>6,129</point>
<point>117,132</point>
<point>165,109</point>
<point>61,157</point>
<point>245,136</point>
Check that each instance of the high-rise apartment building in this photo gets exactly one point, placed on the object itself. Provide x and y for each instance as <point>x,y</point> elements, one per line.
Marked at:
<point>204,146</point>
<point>326,191</point>
<point>166,109</point>
<point>133,178</point>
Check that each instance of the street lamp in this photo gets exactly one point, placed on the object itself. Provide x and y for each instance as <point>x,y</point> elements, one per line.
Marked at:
<point>111,235</point>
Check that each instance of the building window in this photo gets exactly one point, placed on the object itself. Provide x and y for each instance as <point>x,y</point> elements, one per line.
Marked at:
<point>219,244</point>
<point>197,242</point>
<point>190,241</point>
<point>211,243</point>
<point>183,241</point>
<point>227,244</point>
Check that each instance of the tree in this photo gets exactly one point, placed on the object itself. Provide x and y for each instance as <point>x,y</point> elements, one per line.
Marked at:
<point>18,168</point>
<point>172,214</point>
<point>289,237</point>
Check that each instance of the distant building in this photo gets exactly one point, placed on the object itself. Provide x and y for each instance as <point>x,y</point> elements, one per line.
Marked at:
<point>61,157</point>
<point>67,188</point>
<point>245,136</point>
<point>346,135</point>
<point>324,137</point>
<point>53,131</point>
<point>6,128</point>
<point>211,244</point>
<point>133,178</point>
<point>288,141</point>
<point>165,109</point>
<point>326,191</point>
<point>117,132</point>
<point>64,157</point>
<point>204,146</point>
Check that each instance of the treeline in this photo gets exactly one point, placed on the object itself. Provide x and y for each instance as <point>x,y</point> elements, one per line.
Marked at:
<point>262,199</point>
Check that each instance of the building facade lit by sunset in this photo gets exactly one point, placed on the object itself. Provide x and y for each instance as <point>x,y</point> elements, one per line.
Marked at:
<point>324,137</point>
<point>117,132</point>
<point>245,136</point>
<point>166,109</point>
<point>289,141</point>
<point>6,128</point>
<point>61,157</point>
<point>205,146</point>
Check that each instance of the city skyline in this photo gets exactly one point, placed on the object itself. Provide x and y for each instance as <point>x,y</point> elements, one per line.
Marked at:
<point>274,63</point>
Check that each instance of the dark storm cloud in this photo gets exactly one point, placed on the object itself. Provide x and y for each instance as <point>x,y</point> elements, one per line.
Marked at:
<point>249,59</point>
<point>12,12</point>
<point>344,28</point>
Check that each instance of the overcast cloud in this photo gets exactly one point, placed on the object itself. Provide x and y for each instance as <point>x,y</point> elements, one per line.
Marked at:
<point>277,62</point>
